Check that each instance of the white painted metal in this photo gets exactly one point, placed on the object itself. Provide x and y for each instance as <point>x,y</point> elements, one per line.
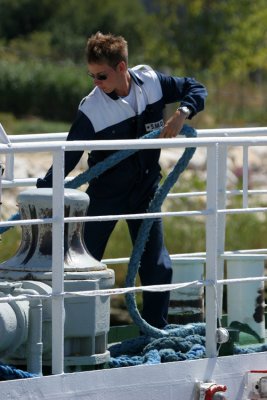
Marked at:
<point>21,323</point>
<point>58,264</point>
<point>212,250</point>
<point>245,176</point>
<point>34,346</point>
<point>245,301</point>
<point>9,159</point>
<point>221,132</point>
<point>222,186</point>
<point>169,381</point>
<point>187,304</point>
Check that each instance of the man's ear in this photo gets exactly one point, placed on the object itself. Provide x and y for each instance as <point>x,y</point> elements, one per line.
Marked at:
<point>122,66</point>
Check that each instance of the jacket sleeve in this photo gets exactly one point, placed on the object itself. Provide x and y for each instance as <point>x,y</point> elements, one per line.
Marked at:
<point>81,129</point>
<point>187,91</point>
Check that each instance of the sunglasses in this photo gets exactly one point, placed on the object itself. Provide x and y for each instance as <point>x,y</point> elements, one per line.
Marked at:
<point>98,77</point>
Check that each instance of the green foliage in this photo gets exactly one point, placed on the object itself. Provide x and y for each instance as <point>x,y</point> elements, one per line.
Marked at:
<point>9,243</point>
<point>86,17</point>
<point>225,39</point>
<point>241,228</point>
<point>243,47</point>
<point>37,46</point>
<point>35,88</point>
<point>220,36</point>
<point>21,17</point>
<point>15,126</point>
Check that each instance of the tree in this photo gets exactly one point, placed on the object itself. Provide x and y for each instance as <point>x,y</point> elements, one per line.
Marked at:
<point>74,21</point>
<point>21,17</point>
<point>218,35</point>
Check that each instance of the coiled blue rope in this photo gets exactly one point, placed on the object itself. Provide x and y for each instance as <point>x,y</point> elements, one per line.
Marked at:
<point>185,342</point>
<point>8,373</point>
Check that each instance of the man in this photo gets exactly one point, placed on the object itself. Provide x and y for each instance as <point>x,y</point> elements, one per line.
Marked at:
<point>125,104</point>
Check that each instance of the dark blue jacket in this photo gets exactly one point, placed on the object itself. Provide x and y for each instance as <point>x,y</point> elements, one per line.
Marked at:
<point>103,116</point>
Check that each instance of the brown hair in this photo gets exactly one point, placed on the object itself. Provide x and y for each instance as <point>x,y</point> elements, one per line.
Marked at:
<point>106,49</point>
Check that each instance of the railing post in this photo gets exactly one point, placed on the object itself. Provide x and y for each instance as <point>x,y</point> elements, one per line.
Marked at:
<point>245,176</point>
<point>222,187</point>
<point>58,263</point>
<point>9,162</point>
<point>211,249</point>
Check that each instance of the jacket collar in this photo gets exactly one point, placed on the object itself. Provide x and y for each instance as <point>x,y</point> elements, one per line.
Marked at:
<point>113,95</point>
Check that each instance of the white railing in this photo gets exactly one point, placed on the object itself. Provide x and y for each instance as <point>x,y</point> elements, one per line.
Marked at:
<point>215,141</point>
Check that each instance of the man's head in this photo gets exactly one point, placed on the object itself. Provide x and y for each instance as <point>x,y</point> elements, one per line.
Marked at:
<point>107,57</point>
<point>106,49</point>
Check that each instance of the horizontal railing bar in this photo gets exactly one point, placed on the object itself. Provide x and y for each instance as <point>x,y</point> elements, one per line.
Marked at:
<point>133,289</point>
<point>100,218</point>
<point>132,144</point>
<point>201,132</point>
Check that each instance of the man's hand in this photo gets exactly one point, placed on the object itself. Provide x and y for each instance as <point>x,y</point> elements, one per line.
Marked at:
<point>174,125</point>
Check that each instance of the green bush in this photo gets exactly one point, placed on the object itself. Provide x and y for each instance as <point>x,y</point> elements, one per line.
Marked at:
<point>51,91</point>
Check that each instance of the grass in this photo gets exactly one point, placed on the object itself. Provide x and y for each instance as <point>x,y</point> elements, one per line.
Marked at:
<point>14,126</point>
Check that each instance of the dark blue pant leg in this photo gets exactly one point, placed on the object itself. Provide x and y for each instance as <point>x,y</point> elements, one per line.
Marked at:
<point>155,269</point>
<point>96,234</point>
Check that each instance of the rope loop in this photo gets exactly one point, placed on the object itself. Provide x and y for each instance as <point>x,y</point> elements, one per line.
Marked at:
<point>143,234</point>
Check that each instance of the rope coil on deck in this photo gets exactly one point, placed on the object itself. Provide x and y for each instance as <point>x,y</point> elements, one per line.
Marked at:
<point>8,372</point>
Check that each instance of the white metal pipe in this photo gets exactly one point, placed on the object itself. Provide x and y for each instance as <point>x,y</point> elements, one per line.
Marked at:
<point>232,132</point>
<point>34,342</point>
<point>211,250</point>
<point>222,182</point>
<point>245,176</point>
<point>58,263</point>
<point>132,144</point>
<point>226,132</point>
<point>136,216</point>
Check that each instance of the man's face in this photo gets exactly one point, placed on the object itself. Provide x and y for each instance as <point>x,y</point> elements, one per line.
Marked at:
<point>105,77</point>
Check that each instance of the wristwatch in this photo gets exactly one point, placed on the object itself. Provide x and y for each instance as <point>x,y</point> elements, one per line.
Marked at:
<point>185,110</point>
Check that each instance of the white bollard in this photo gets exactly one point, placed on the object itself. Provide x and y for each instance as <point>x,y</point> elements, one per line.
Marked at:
<point>187,304</point>
<point>86,318</point>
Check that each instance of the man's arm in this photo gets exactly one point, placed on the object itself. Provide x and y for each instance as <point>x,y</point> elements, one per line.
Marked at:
<point>189,92</point>
<point>81,129</point>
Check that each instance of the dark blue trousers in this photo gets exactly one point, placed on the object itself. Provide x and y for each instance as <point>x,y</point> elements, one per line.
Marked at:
<point>155,267</point>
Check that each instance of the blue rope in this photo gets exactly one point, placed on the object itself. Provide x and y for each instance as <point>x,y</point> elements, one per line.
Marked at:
<point>96,170</point>
<point>143,234</point>
<point>253,348</point>
<point>14,217</point>
<point>8,373</point>
<point>111,161</point>
<point>185,342</point>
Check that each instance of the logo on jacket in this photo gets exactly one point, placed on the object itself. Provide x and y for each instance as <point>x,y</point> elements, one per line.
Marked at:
<point>154,125</point>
